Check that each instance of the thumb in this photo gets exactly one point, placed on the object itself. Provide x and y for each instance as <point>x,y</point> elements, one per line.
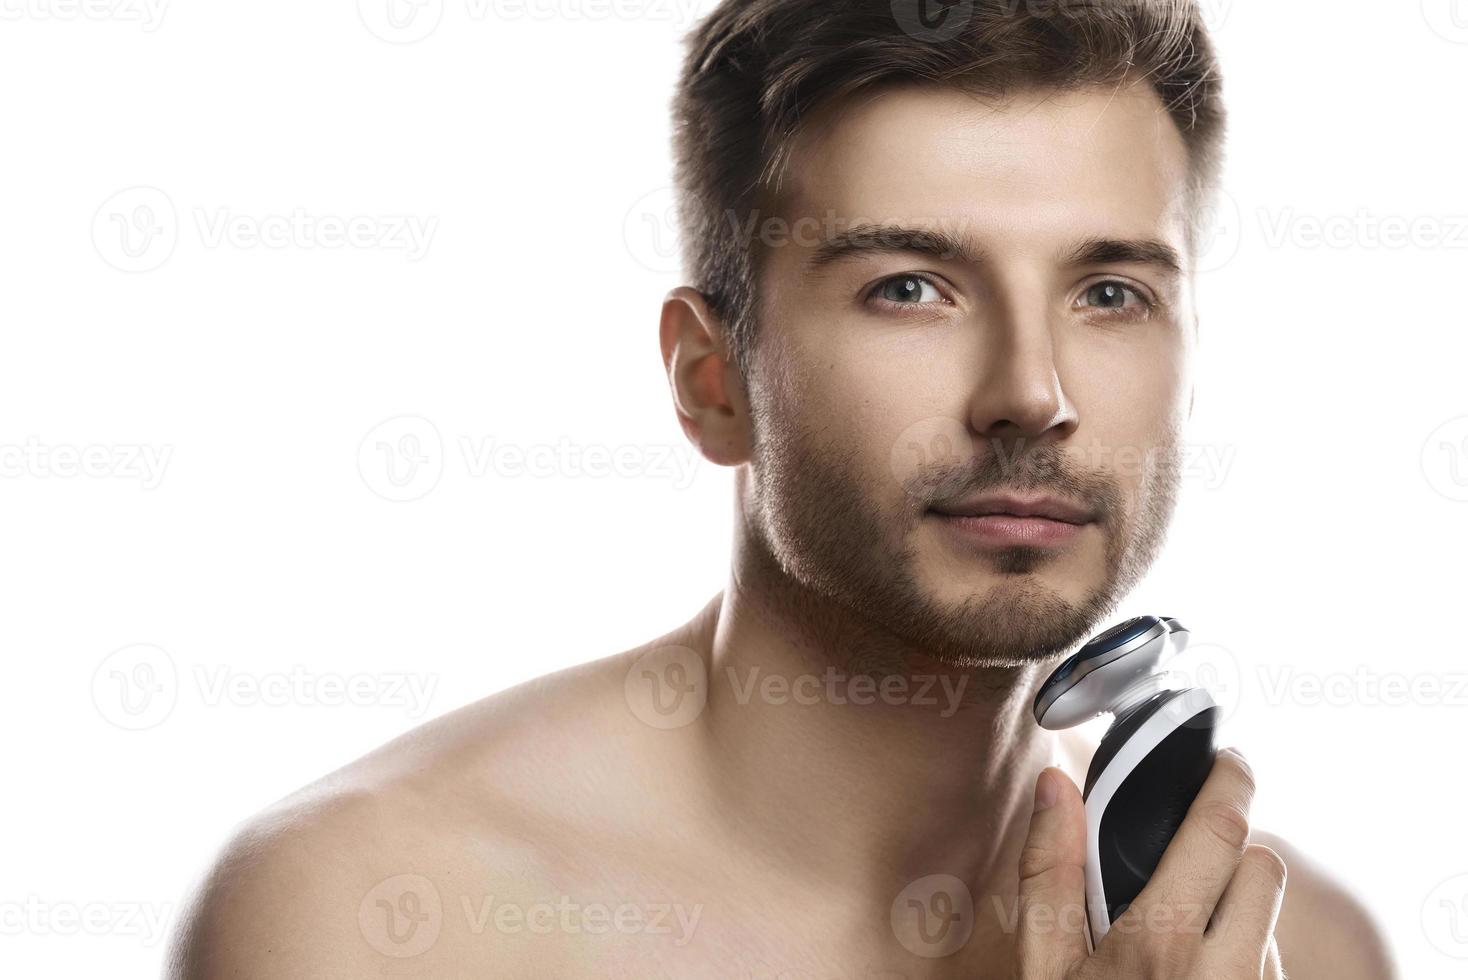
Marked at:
<point>1051,936</point>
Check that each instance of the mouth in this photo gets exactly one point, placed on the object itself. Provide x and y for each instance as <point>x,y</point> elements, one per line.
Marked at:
<point>1006,520</point>
<point>1004,505</point>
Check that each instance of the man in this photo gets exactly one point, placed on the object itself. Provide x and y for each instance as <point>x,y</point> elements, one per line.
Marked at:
<point>942,326</point>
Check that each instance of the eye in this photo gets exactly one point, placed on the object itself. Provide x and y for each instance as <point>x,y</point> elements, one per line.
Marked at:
<point>1111,296</point>
<point>908,289</point>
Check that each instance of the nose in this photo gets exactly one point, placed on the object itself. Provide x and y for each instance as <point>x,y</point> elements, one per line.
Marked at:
<point>1019,394</point>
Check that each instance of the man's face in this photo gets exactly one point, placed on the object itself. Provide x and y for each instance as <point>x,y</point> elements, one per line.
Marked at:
<point>896,381</point>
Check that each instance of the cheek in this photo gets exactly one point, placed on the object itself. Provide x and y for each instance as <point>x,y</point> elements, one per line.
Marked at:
<point>876,413</point>
<point>891,371</point>
<point>904,404</point>
<point>1131,410</point>
<point>1129,392</point>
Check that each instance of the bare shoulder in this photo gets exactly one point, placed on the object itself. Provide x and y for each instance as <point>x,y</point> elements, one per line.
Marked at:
<point>387,866</point>
<point>1324,931</point>
<point>283,896</point>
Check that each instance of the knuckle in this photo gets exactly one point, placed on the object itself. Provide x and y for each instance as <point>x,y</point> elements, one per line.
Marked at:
<point>1035,860</point>
<point>1226,822</point>
<point>1268,864</point>
<point>1042,873</point>
<point>1240,773</point>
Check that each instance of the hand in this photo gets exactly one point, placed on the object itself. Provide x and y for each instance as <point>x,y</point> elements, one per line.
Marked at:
<point>1209,910</point>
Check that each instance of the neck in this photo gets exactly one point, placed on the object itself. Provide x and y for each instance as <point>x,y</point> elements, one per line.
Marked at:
<point>856,763</point>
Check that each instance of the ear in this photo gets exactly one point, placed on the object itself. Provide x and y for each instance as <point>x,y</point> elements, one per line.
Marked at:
<point>708,393</point>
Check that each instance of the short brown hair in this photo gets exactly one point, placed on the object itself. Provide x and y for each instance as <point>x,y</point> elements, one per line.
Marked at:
<point>754,69</point>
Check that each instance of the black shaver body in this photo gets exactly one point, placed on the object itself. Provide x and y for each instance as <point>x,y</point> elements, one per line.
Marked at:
<point>1150,764</point>
<point>1144,776</point>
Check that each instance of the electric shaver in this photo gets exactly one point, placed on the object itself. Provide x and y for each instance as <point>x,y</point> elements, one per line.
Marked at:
<point>1150,763</point>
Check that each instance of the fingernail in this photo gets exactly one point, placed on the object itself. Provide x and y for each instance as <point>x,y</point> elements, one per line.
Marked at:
<point>1046,791</point>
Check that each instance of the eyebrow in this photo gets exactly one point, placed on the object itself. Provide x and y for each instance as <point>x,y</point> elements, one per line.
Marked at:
<point>1139,251</point>
<point>882,239</point>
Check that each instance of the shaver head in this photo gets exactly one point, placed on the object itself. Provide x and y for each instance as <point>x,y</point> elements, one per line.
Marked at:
<point>1111,671</point>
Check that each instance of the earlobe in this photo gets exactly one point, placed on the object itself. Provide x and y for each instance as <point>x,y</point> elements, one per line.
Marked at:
<point>707,393</point>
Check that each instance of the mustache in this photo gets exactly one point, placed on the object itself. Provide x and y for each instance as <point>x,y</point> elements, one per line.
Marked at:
<point>1046,467</point>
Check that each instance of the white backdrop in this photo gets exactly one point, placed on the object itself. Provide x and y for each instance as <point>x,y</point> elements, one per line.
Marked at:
<point>331,401</point>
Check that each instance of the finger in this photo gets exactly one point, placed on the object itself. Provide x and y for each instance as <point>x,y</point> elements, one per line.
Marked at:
<point>1273,969</point>
<point>1242,930</point>
<point>1051,934</point>
<point>1204,853</point>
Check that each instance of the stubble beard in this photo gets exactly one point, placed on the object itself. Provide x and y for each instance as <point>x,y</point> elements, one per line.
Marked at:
<point>840,568</point>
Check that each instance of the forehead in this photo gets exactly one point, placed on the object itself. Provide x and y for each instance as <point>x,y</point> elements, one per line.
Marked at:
<point>1038,167</point>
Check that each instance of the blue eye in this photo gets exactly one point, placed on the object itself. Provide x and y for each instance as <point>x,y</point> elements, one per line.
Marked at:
<point>1111,295</point>
<point>907,290</point>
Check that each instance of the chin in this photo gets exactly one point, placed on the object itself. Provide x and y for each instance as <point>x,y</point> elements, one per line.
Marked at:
<point>1016,580</point>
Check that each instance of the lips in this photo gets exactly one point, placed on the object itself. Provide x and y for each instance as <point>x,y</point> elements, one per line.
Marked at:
<point>1050,508</point>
